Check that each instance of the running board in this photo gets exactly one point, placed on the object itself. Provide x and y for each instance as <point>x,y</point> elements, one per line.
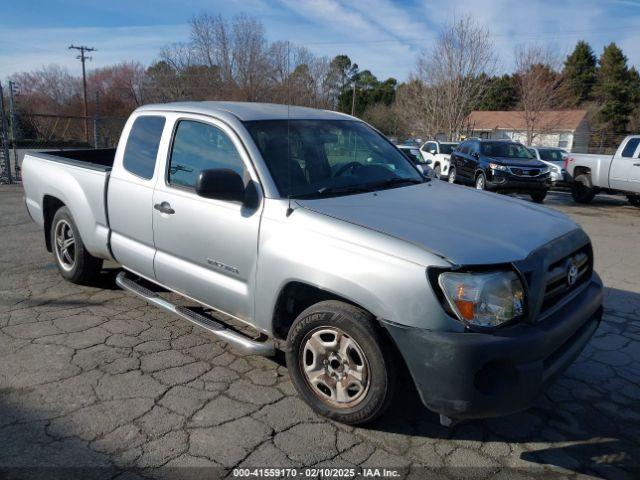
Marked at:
<point>235,339</point>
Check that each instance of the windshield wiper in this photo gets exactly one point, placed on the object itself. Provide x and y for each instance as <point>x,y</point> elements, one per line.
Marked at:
<point>337,190</point>
<point>397,181</point>
<point>364,188</point>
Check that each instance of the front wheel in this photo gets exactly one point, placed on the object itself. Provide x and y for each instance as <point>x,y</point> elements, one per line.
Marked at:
<point>340,363</point>
<point>538,197</point>
<point>452,175</point>
<point>582,190</point>
<point>437,172</point>
<point>634,200</point>
<point>481,182</point>
<point>74,262</point>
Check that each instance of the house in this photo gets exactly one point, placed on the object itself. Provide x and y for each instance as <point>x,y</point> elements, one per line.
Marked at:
<point>566,129</point>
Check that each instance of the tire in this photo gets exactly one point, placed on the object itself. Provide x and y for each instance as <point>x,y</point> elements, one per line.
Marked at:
<point>582,190</point>
<point>538,197</point>
<point>74,263</point>
<point>437,171</point>
<point>634,200</point>
<point>366,351</point>
<point>452,175</point>
<point>481,182</point>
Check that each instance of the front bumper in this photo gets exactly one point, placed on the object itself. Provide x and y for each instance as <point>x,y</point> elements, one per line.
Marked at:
<point>506,182</point>
<point>476,375</point>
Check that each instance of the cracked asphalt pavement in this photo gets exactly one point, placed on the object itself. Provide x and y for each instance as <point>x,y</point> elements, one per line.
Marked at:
<point>96,383</point>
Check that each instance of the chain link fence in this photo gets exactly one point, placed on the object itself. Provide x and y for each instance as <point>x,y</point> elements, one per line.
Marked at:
<point>40,132</point>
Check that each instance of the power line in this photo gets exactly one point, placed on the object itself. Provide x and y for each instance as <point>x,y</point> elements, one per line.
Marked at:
<point>83,58</point>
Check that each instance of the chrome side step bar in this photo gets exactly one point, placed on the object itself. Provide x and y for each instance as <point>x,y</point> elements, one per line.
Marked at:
<point>235,339</point>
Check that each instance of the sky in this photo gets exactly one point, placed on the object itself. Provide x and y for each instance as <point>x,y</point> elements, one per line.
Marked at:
<point>384,36</point>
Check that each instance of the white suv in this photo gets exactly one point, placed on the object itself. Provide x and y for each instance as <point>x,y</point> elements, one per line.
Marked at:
<point>439,154</point>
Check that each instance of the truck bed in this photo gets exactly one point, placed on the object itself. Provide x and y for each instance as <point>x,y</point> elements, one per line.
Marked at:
<point>96,159</point>
<point>76,179</point>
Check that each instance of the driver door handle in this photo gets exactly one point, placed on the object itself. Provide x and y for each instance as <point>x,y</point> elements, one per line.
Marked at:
<point>164,207</point>
<point>636,164</point>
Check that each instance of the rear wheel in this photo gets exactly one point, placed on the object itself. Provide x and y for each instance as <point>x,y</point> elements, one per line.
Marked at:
<point>452,175</point>
<point>74,263</point>
<point>538,197</point>
<point>339,363</point>
<point>582,190</point>
<point>634,200</point>
<point>481,182</point>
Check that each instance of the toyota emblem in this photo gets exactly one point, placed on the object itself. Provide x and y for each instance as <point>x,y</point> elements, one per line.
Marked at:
<point>572,274</point>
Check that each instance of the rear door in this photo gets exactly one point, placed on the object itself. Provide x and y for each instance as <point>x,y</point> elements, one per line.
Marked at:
<point>624,173</point>
<point>463,161</point>
<point>130,193</point>
<point>206,249</point>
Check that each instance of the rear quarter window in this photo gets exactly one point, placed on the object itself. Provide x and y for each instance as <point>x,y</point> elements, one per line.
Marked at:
<point>630,147</point>
<point>142,145</point>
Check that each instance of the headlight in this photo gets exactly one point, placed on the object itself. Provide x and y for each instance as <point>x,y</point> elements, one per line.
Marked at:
<point>483,299</point>
<point>495,166</point>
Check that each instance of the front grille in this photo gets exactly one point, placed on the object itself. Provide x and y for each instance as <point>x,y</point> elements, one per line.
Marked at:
<point>557,285</point>
<point>525,172</point>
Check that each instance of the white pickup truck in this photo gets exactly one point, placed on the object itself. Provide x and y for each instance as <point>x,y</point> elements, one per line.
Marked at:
<point>619,173</point>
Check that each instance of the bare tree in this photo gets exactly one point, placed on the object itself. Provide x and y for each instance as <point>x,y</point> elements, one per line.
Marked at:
<point>538,84</point>
<point>450,75</point>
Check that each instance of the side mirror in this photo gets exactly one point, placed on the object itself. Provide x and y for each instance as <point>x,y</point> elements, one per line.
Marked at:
<point>429,161</point>
<point>475,155</point>
<point>221,184</point>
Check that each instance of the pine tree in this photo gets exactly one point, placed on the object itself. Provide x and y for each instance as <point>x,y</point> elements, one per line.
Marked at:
<point>613,92</point>
<point>500,94</point>
<point>580,74</point>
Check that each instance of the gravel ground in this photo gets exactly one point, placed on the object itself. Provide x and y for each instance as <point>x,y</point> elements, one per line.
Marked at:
<point>95,383</point>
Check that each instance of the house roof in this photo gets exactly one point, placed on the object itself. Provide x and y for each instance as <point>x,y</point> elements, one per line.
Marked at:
<point>551,120</point>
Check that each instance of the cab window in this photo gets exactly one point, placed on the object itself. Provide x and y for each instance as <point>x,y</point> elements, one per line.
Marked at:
<point>200,146</point>
<point>142,146</point>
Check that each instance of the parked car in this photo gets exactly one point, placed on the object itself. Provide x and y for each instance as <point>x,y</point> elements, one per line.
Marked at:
<point>414,154</point>
<point>500,166</point>
<point>555,159</point>
<point>615,174</point>
<point>310,227</point>
<point>438,153</point>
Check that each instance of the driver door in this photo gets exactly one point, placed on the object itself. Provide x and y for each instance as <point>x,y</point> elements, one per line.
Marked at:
<point>206,248</point>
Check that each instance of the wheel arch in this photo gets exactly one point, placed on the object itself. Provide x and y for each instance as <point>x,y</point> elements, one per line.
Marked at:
<point>581,170</point>
<point>50,205</point>
<point>295,297</point>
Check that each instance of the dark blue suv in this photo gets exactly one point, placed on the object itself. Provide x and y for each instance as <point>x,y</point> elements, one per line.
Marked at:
<point>500,166</point>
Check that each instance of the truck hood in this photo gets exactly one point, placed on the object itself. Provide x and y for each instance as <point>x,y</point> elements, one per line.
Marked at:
<point>461,224</point>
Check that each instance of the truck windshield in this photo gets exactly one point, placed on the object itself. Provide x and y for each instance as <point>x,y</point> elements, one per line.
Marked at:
<point>317,158</point>
<point>505,150</point>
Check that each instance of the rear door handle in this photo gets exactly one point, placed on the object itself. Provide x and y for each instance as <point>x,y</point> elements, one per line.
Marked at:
<point>636,164</point>
<point>164,207</point>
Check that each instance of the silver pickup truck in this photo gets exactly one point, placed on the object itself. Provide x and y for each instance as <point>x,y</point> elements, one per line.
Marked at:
<point>617,173</point>
<point>310,227</point>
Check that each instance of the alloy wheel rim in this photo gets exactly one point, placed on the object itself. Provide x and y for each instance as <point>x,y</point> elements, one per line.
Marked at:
<point>452,176</point>
<point>480,183</point>
<point>65,245</point>
<point>334,367</point>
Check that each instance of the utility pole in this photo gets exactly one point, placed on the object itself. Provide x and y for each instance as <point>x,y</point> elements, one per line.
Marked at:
<point>5,141</point>
<point>96,115</point>
<point>83,58</point>
<point>353,100</point>
<point>13,90</point>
